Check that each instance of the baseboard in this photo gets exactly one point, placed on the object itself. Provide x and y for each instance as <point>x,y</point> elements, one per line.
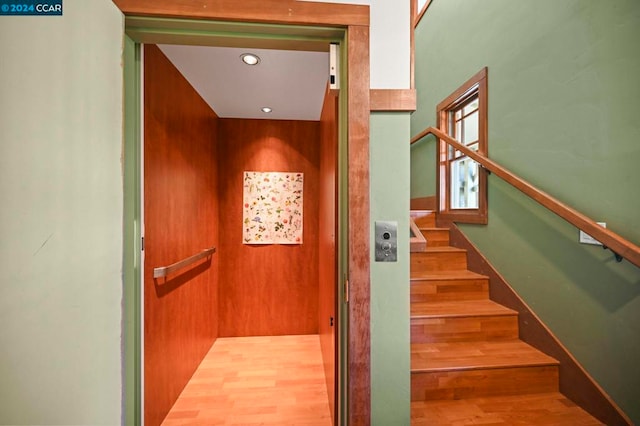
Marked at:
<point>575,382</point>
<point>424,203</point>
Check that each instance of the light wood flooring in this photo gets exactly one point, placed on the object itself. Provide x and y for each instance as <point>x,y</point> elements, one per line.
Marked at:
<point>256,381</point>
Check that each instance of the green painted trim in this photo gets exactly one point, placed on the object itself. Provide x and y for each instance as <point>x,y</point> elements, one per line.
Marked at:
<point>248,41</point>
<point>231,34</point>
<point>343,238</point>
<point>132,403</point>
<point>211,33</point>
<point>292,31</point>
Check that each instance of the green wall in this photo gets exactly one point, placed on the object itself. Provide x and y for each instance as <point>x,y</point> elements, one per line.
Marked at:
<point>61,224</point>
<point>563,113</point>
<point>390,358</point>
<point>61,216</point>
<point>423,157</point>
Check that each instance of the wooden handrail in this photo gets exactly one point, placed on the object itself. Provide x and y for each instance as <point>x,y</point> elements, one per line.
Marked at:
<point>609,239</point>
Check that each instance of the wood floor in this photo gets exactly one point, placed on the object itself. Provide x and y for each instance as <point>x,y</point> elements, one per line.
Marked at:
<point>256,381</point>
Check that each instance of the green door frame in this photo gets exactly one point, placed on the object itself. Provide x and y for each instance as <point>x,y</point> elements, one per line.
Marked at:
<point>132,261</point>
<point>140,30</point>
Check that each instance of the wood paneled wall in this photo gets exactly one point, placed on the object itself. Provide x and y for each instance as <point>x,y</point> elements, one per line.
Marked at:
<point>328,221</point>
<point>181,216</point>
<point>267,289</point>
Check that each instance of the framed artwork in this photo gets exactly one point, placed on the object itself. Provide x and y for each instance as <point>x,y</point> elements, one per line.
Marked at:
<point>272,206</point>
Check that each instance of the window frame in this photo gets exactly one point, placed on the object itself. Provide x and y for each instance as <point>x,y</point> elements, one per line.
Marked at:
<point>476,85</point>
<point>417,14</point>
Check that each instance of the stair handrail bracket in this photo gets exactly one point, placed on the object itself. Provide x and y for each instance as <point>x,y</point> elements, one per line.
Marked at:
<point>609,239</point>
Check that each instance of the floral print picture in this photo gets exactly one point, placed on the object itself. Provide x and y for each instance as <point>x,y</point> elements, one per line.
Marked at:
<point>272,208</point>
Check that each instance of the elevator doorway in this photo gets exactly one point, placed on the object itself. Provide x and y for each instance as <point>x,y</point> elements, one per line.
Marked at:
<point>317,24</point>
<point>193,165</point>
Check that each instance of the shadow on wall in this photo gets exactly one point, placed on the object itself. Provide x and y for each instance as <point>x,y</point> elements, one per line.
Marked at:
<point>591,268</point>
<point>164,286</point>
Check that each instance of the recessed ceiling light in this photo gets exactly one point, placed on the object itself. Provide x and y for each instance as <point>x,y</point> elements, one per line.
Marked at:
<point>266,109</point>
<point>250,58</point>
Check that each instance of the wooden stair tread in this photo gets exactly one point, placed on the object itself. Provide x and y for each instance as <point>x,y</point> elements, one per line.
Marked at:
<point>423,217</point>
<point>443,249</point>
<point>541,409</point>
<point>462,308</point>
<point>430,357</point>
<point>432,228</point>
<point>462,274</point>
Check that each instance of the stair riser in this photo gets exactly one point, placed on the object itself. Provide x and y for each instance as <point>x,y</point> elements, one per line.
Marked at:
<point>438,261</point>
<point>417,246</point>
<point>465,329</point>
<point>451,385</point>
<point>448,290</point>
<point>436,237</point>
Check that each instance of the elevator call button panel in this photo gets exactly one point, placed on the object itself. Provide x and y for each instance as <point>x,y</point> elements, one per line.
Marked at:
<point>386,240</point>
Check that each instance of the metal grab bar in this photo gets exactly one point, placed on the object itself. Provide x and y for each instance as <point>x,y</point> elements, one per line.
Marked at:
<point>163,271</point>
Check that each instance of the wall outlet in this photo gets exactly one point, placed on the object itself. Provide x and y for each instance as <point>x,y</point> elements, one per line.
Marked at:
<point>588,239</point>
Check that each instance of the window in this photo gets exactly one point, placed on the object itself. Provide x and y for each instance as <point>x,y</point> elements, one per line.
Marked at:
<point>419,7</point>
<point>462,189</point>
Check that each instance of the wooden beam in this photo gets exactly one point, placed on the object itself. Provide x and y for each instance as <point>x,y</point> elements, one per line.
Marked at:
<point>265,11</point>
<point>393,100</point>
<point>359,357</point>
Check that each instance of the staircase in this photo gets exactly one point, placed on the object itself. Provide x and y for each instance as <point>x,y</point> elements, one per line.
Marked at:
<point>468,365</point>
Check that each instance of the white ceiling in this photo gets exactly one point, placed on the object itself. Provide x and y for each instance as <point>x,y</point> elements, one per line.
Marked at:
<point>292,83</point>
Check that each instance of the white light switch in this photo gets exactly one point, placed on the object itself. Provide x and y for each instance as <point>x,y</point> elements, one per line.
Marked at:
<point>588,239</point>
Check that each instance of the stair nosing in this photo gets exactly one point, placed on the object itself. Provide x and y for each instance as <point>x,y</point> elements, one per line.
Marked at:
<point>476,362</point>
<point>455,274</point>
<point>443,249</point>
<point>499,310</point>
<point>475,367</point>
<point>481,314</point>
